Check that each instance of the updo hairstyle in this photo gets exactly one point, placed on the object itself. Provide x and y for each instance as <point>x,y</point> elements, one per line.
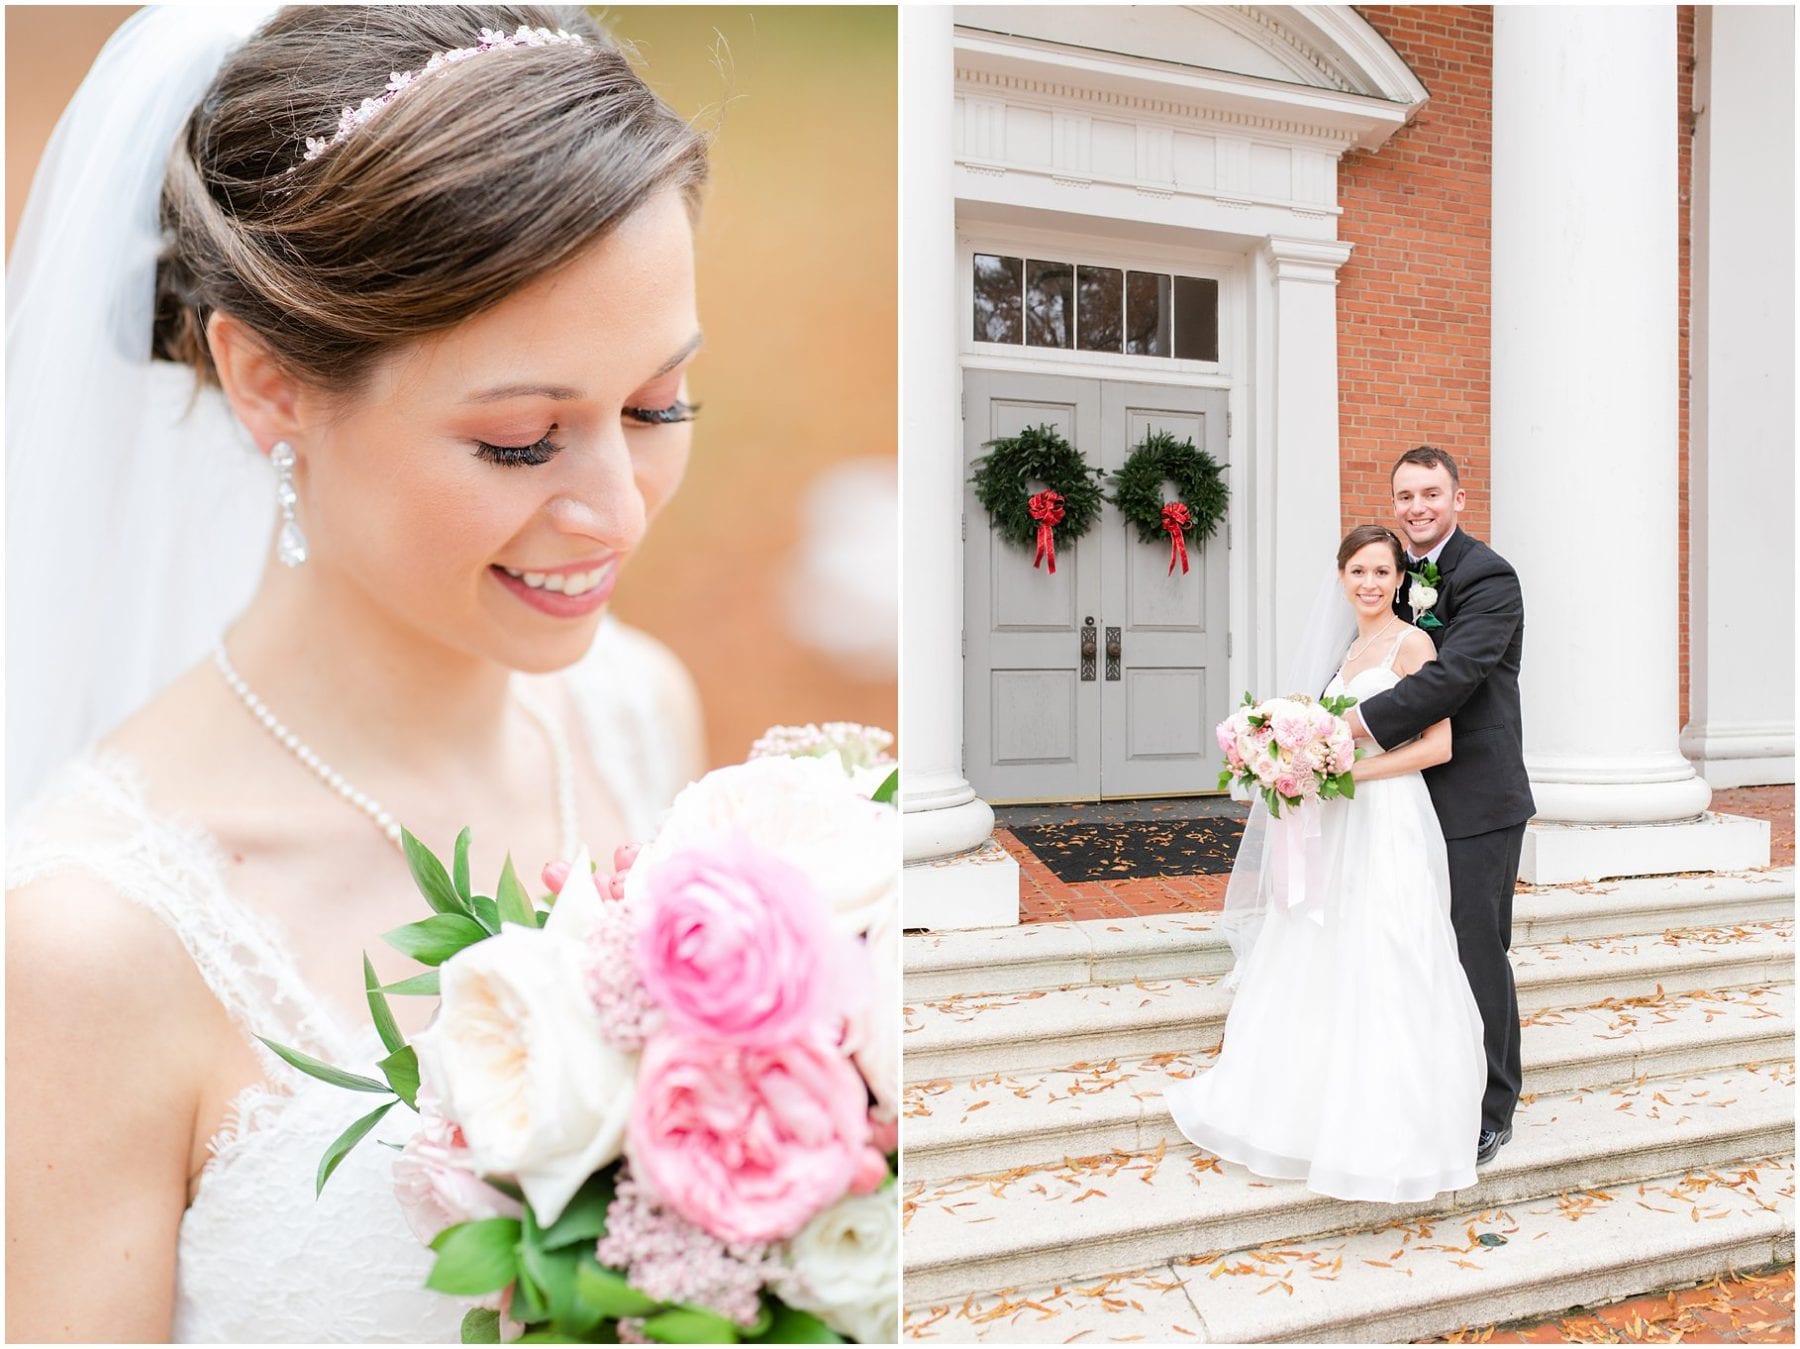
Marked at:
<point>1362,536</point>
<point>472,183</point>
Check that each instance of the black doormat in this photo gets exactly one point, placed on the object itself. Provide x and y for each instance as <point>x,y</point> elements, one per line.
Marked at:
<point>1129,849</point>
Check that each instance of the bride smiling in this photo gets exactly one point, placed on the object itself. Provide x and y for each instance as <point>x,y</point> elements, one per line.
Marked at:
<point>452,309</point>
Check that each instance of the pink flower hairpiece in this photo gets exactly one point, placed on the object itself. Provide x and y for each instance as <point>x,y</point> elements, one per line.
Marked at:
<point>490,39</point>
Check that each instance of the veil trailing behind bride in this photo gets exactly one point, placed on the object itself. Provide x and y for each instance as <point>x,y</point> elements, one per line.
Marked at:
<point>253,200</point>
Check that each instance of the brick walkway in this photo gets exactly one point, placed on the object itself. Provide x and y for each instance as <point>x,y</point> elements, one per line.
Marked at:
<point>1043,898</point>
<point>1752,1309</point>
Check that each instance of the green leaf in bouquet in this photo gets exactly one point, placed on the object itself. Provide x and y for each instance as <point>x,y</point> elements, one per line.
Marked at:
<point>690,1325</point>
<point>584,1219</point>
<point>486,912</point>
<point>556,1272</point>
<point>1346,785</point>
<point>459,868</point>
<point>548,1337</point>
<point>515,904</point>
<point>765,1319</point>
<point>481,1326</point>
<point>889,789</point>
<point>607,1292</point>
<point>324,1071</point>
<point>341,1145</point>
<point>433,940</point>
<point>420,985</point>
<point>530,1304</point>
<point>379,1010</point>
<point>401,1068</point>
<point>429,875</point>
<point>475,1258</point>
<point>1225,776</point>
<point>793,1326</point>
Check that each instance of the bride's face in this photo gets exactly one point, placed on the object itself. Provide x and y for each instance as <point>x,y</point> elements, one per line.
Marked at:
<point>494,479</point>
<point>1370,579</point>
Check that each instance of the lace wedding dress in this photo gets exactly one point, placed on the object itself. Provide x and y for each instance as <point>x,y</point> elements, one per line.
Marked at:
<point>260,1260</point>
<point>1353,1054</point>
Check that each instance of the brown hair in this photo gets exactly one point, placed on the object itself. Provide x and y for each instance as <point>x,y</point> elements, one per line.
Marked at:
<point>1427,456</point>
<point>480,180</point>
<point>1362,536</point>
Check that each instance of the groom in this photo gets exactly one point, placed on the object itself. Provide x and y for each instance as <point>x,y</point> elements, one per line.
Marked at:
<point>1482,796</point>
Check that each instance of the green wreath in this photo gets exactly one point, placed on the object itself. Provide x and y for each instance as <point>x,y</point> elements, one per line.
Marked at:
<point>1004,477</point>
<point>1199,485</point>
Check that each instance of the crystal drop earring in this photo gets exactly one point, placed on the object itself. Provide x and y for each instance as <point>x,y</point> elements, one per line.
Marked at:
<point>290,544</point>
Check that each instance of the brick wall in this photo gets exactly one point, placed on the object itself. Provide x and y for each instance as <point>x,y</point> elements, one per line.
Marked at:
<point>1413,299</point>
<point>1413,318</point>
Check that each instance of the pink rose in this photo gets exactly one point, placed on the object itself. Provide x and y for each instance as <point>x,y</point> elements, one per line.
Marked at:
<point>1293,729</point>
<point>1342,757</point>
<point>749,1142</point>
<point>1226,734</point>
<point>436,1181</point>
<point>737,945</point>
<point>1288,785</point>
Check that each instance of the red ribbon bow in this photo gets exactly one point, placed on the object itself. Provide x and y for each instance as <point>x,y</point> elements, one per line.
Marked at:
<point>1175,519</point>
<point>1047,509</point>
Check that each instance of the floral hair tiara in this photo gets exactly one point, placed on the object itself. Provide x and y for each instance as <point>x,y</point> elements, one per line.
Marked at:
<point>490,39</point>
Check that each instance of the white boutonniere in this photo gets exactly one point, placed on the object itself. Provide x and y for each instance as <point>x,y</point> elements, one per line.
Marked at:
<point>1423,596</point>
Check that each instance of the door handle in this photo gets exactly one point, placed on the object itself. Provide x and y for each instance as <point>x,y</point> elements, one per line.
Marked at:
<point>1112,653</point>
<point>1089,639</point>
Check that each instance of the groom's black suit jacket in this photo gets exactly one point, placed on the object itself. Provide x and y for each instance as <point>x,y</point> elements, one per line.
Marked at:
<point>1475,682</point>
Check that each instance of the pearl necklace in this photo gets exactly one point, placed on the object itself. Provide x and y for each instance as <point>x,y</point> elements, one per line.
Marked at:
<point>368,805</point>
<point>1354,653</point>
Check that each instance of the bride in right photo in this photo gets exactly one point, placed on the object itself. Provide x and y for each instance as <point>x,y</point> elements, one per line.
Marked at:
<point>1348,810</point>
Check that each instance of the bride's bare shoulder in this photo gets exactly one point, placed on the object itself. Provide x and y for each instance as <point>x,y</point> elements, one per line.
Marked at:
<point>1416,649</point>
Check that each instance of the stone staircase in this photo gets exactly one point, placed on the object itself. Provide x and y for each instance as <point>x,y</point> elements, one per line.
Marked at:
<point>1048,1195</point>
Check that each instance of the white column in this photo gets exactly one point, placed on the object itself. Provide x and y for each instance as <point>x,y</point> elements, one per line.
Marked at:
<point>1741,399</point>
<point>956,876</point>
<point>1304,504</point>
<point>1585,403</point>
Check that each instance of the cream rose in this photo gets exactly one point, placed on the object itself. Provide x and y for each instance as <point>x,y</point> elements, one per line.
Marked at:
<point>1421,597</point>
<point>806,812</point>
<point>845,1267</point>
<point>517,1057</point>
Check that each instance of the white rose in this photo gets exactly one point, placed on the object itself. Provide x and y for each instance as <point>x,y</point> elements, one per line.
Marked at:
<point>845,1265</point>
<point>874,1037</point>
<point>807,813</point>
<point>1421,597</point>
<point>517,1058</point>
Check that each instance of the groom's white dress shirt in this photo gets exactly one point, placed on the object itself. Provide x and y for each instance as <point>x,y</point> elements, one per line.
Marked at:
<point>1414,562</point>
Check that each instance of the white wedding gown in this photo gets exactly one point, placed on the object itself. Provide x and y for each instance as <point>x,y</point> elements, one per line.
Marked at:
<point>259,1259</point>
<point>1353,1054</point>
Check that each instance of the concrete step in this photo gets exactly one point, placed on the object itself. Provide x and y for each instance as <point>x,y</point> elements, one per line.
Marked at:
<point>1396,1282</point>
<point>1087,1217</point>
<point>967,1036</point>
<point>1113,951</point>
<point>1000,1121</point>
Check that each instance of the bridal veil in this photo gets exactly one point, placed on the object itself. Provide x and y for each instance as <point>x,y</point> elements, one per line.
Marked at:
<point>138,514</point>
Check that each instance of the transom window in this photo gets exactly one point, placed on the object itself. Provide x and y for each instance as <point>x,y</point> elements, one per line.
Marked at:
<point>1075,306</point>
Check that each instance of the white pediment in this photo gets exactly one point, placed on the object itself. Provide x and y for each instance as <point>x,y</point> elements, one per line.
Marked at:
<point>1328,48</point>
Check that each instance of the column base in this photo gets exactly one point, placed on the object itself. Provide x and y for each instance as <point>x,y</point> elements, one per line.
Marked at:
<point>975,889</point>
<point>932,831</point>
<point>1741,755</point>
<point>1561,854</point>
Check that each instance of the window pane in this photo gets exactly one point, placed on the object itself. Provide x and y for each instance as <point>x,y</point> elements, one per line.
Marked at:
<point>1147,314</point>
<point>1196,319</point>
<point>1101,312</point>
<point>997,299</point>
<point>1049,304</point>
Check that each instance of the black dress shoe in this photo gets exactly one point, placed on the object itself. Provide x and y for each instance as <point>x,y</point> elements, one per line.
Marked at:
<point>1489,1145</point>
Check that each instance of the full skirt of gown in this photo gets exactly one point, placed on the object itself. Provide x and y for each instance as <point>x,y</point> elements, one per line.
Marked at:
<point>1353,1057</point>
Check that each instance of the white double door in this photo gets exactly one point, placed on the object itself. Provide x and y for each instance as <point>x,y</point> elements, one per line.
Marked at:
<point>1106,679</point>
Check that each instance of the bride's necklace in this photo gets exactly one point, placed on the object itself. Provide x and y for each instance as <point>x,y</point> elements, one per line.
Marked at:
<point>368,805</point>
<point>1354,653</point>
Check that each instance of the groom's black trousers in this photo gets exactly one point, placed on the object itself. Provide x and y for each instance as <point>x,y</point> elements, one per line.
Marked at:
<point>1483,869</point>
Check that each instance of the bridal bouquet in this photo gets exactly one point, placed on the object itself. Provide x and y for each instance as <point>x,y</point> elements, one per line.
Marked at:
<point>1292,750</point>
<point>662,1106</point>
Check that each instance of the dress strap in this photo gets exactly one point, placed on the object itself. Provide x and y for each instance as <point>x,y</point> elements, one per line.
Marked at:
<point>1394,650</point>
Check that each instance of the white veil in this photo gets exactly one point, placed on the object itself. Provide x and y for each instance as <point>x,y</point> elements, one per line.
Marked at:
<point>133,531</point>
<point>1329,629</point>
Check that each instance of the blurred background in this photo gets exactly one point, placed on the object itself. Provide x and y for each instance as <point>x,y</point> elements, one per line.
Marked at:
<point>775,572</point>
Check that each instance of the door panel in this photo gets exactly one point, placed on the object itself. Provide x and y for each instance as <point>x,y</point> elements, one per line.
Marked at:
<point>1156,719</point>
<point>1031,725</point>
